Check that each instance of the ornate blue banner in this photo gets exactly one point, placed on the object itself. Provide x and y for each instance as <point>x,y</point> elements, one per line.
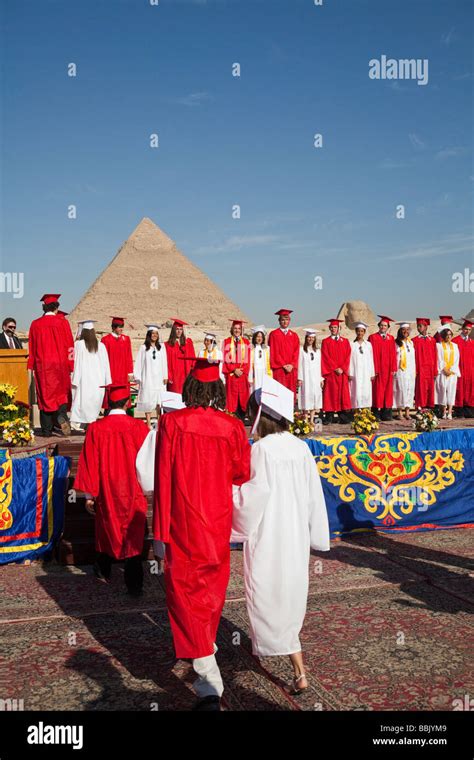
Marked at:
<point>410,481</point>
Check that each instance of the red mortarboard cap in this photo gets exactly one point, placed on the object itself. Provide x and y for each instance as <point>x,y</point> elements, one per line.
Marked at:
<point>237,321</point>
<point>334,321</point>
<point>178,322</point>
<point>117,392</point>
<point>203,370</point>
<point>468,323</point>
<point>445,318</point>
<point>383,318</point>
<point>50,297</point>
<point>118,320</point>
<point>62,313</point>
<point>422,321</point>
<point>283,312</point>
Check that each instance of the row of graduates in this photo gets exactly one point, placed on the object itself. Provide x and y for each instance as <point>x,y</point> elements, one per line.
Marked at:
<point>210,487</point>
<point>381,373</point>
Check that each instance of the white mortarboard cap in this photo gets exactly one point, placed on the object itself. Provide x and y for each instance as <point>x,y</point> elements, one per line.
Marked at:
<point>311,331</point>
<point>259,328</point>
<point>447,326</point>
<point>403,324</point>
<point>88,324</point>
<point>209,335</point>
<point>360,324</point>
<point>171,401</point>
<point>153,326</point>
<point>275,399</point>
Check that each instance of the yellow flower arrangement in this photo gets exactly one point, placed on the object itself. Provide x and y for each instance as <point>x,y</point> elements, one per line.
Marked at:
<point>300,425</point>
<point>364,422</point>
<point>17,432</point>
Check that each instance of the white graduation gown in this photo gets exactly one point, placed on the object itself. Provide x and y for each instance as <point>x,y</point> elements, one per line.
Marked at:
<point>361,370</point>
<point>310,393</point>
<point>259,363</point>
<point>404,380</point>
<point>445,387</point>
<point>91,370</point>
<point>150,373</point>
<point>145,467</point>
<point>279,514</point>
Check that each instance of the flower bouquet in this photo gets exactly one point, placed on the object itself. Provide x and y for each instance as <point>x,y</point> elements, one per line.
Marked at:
<point>364,422</point>
<point>17,432</point>
<point>300,426</point>
<point>425,421</point>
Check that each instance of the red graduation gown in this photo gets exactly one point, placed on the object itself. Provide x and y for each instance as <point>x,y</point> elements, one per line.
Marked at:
<point>334,354</point>
<point>200,453</point>
<point>284,349</point>
<point>178,369</point>
<point>237,388</point>
<point>465,386</point>
<point>426,370</point>
<point>385,363</point>
<point>106,470</point>
<point>51,357</point>
<point>120,359</point>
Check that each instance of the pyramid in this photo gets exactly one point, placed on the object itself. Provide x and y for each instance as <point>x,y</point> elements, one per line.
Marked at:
<point>127,287</point>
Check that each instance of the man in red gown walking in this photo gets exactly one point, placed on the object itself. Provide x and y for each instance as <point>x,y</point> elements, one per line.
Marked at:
<point>179,353</point>
<point>464,403</point>
<point>107,476</point>
<point>284,351</point>
<point>426,365</point>
<point>335,364</point>
<point>201,452</point>
<point>236,368</point>
<point>119,349</point>
<point>385,364</point>
<point>51,357</point>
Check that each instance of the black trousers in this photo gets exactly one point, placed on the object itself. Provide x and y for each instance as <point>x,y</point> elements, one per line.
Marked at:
<point>47,419</point>
<point>133,569</point>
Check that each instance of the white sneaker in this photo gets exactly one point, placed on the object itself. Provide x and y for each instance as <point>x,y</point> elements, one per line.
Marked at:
<point>449,416</point>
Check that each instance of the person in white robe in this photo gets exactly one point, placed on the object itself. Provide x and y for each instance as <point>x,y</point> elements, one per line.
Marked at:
<point>310,380</point>
<point>279,514</point>
<point>212,352</point>
<point>151,372</point>
<point>361,369</point>
<point>448,373</point>
<point>405,377</point>
<point>259,358</point>
<point>91,371</point>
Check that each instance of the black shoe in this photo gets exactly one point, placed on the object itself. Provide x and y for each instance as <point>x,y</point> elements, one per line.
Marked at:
<point>376,413</point>
<point>99,574</point>
<point>212,703</point>
<point>328,418</point>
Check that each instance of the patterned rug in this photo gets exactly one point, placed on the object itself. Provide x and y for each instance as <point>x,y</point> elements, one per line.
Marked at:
<point>389,626</point>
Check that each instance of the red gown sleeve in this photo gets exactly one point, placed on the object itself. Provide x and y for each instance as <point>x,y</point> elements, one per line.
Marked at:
<point>129,356</point>
<point>87,477</point>
<point>375,351</point>
<point>328,362</point>
<point>296,352</point>
<point>276,360</point>
<point>241,456</point>
<point>31,347</point>
<point>346,360</point>
<point>394,356</point>
<point>163,480</point>
<point>69,344</point>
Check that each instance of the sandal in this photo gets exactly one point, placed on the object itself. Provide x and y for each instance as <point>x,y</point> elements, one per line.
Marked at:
<point>298,689</point>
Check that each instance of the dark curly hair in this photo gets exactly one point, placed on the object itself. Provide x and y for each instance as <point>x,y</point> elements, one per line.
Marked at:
<point>196,393</point>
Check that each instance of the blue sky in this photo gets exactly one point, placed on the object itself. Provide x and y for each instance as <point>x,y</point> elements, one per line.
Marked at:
<point>224,140</point>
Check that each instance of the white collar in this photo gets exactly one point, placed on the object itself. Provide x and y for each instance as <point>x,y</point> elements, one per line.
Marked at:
<point>114,335</point>
<point>49,314</point>
<point>285,330</point>
<point>117,411</point>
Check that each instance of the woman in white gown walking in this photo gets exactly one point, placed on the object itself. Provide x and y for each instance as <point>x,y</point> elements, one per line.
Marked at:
<point>151,371</point>
<point>91,371</point>
<point>279,514</point>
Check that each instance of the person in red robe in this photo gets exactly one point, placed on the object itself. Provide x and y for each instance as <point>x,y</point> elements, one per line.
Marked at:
<point>385,364</point>
<point>426,365</point>
<point>284,351</point>
<point>236,367</point>
<point>51,358</point>
<point>119,349</point>
<point>445,319</point>
<point>107,476</point>
<point>179,352</point>
<point>464,402</point>
<point>335,365</point>
<point>201,452</point>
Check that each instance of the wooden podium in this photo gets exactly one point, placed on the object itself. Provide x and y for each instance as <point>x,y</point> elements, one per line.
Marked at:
<point>13,370</point>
